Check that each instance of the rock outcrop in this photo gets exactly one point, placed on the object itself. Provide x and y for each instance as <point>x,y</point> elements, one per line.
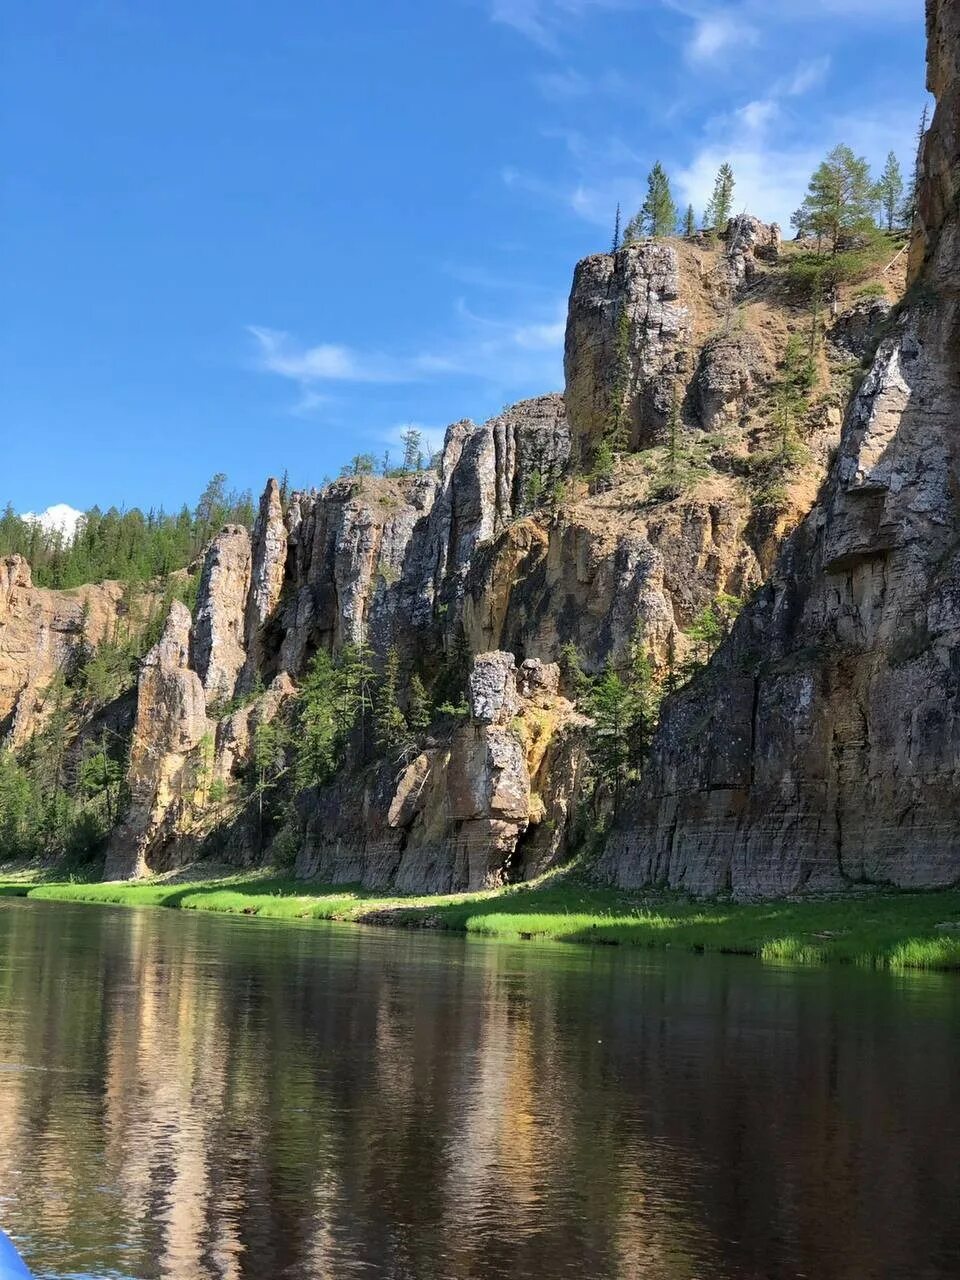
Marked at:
<point>489,801</point>
<point>627,332</point>
<point>171,725</point>
<point>822,745</point>
<point>219,652</point>
<point>42,633</point>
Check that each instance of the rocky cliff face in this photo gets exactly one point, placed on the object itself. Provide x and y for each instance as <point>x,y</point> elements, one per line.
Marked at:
<point>490,801</point>
<point>41,634</point>
<point>516,545</point>
<point>821,747</point>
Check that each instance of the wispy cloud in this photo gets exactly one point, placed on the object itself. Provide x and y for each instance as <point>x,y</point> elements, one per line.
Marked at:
<point>542,20</point>
<point>501,351</point>
<point>716,34</point>
<point>806,76</point>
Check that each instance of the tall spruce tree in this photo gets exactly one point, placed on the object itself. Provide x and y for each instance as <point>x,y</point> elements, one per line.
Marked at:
<point>720,206</point>
<point>889,191</point>
<point>690,222</point>
<point>616,233</point>
<point>389,723</point>
<point>659,213</point>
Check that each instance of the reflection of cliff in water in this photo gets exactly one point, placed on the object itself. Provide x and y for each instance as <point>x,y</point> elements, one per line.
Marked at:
<point>193,1097</point>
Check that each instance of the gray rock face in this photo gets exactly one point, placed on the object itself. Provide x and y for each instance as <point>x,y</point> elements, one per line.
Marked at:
<point>627,329</point>
<point>171,723</point>
<point>856,330</point>
<point>492,688</point>
<point>730,366</point>
<point>492,801</point>
<point>268,563</point>
<point>218,650</point>
<point>820,747</point>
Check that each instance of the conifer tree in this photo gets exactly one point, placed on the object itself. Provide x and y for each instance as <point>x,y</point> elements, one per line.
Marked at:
<point>838,199</point>
<point>720,206</point>
<point>908,210</point>
<point>411,439</point>
<point>689,222</point>
<point>317,746</point>
<point>418,706</point>
<point>889,191</point>
<point>616,233</point>
<point>659,213</point>
<point>389,723</point>
<point>633,231</point>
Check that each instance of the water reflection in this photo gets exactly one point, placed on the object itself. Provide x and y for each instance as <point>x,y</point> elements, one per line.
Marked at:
<point>188,1097</point>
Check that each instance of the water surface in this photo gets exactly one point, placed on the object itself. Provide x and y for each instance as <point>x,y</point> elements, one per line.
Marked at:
<point>184,1096</point>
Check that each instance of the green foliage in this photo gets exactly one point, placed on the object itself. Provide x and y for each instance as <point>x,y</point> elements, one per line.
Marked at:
<point>839,198</point>
<point>709,628</point>
<point>895,930</point>
<point>689,222</point>
<point>720,206</point>
<point>888,191</point>
<point>908,209</point>
<point>361,464</point>
<point>412,440</point>
<point>419,710</point>
<point>392,733</point>
<point>319,744</point>
<point>659,213</point>
<point>615,245</point>
<point>872,290</point>
<point>534,492</point>
<point>797,378</point>
<point>129,546</point>
<point>623,706</point>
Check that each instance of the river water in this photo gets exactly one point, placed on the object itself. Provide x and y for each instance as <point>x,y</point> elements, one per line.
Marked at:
<point>185,1096</point>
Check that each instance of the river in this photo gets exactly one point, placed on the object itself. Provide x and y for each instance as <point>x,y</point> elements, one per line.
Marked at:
<point>188,1096</point>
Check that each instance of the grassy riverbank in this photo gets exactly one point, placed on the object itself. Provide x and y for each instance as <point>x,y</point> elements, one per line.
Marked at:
<point>885,930</point>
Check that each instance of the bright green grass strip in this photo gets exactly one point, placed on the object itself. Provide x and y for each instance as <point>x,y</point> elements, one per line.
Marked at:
<point>884,930</point>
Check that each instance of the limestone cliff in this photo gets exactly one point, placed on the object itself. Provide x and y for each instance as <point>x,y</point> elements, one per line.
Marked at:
<point>488,801</point>
<point>517,542</point>
<point>821,747</point>
<point>42,632</point>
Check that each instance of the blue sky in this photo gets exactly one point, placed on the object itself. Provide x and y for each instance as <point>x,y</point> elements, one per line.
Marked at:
<point>252,236</point>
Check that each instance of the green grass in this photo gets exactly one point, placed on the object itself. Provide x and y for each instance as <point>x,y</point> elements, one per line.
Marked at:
<point>883,929</point>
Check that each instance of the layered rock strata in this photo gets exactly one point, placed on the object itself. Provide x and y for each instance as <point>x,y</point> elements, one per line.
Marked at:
<point>822,746</point>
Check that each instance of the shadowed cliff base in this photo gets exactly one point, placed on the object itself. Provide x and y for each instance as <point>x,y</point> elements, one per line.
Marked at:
<point>893,931</point>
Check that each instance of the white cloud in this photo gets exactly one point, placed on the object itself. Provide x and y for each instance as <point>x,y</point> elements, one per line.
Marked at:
<point>717,33</point>
<point>756,115</point>
<point>805,77</point>
<point>326,362</point>
<point>59,517</point>
<point>505,352</point>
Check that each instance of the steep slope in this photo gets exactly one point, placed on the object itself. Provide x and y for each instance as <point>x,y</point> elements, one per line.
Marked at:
<point>822,745</point>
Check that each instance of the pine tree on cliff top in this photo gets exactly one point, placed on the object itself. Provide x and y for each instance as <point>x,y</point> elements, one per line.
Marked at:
<point>720,207</point>
<point>659,213</point>
<point>616,233</point>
